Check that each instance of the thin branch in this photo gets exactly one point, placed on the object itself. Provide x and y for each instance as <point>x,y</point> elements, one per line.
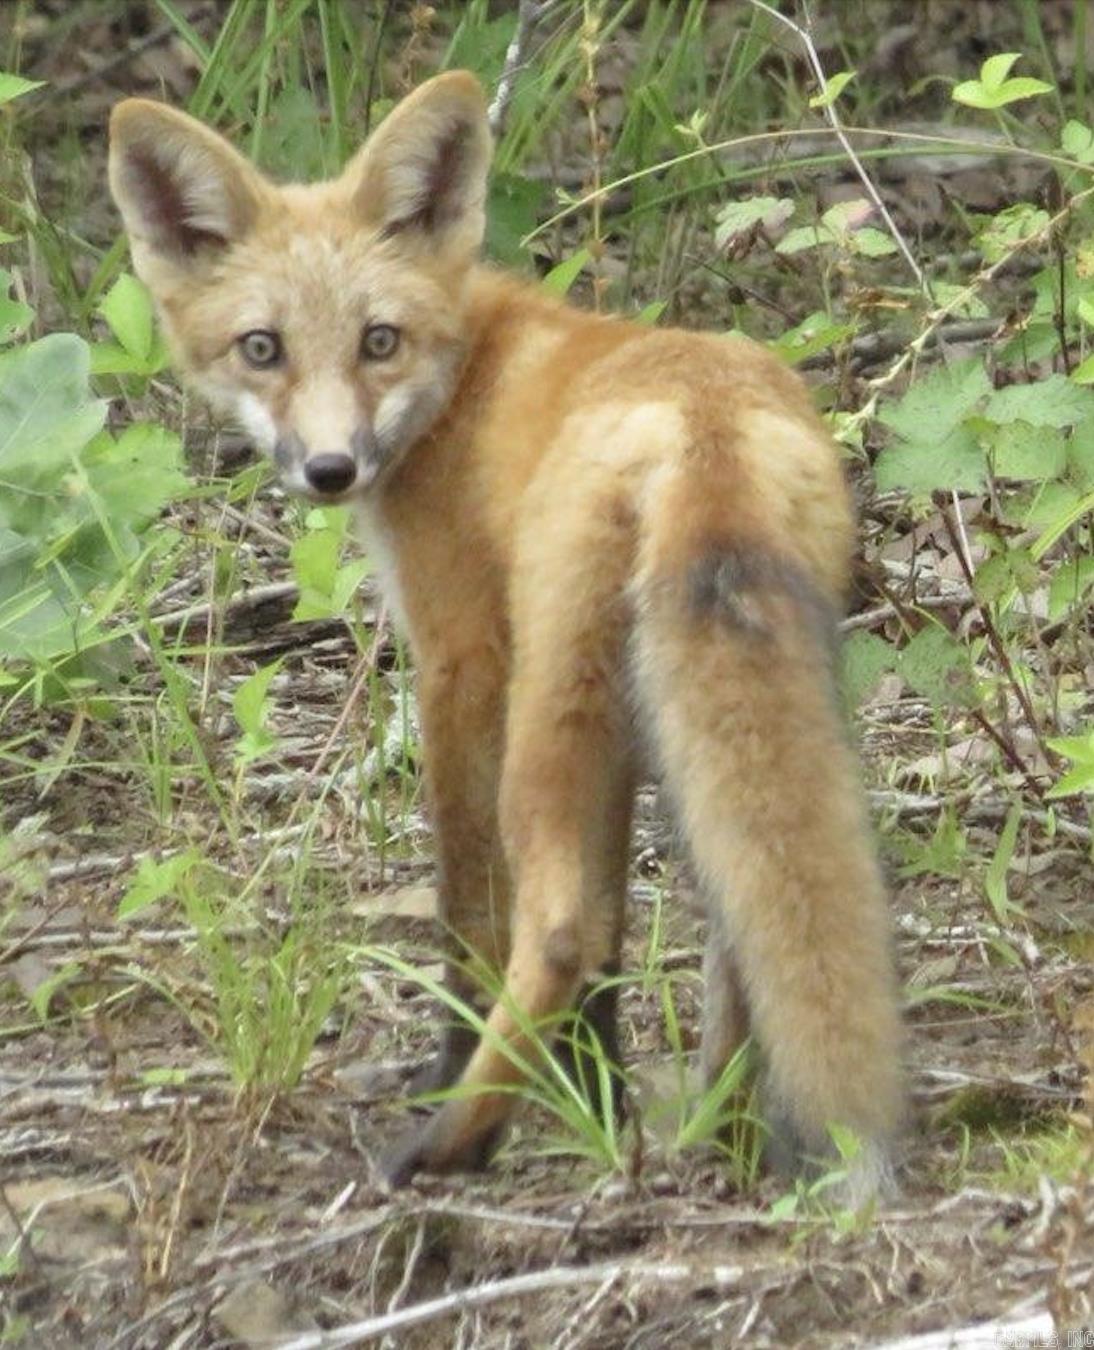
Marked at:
<point>806,40</point>
<point>516,1286</point>
<point>529,13</point>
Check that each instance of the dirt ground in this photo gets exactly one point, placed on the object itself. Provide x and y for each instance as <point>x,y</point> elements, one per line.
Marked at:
<point>147,1204</point>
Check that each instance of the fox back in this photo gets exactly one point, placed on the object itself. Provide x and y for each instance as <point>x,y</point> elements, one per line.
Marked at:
<point>596,534</point>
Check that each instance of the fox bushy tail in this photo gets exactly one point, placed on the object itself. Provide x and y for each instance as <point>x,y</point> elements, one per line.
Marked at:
<point>734,667</point>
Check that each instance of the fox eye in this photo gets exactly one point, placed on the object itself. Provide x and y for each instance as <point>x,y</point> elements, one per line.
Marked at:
<point>260,348</point>
<point>379,341</point>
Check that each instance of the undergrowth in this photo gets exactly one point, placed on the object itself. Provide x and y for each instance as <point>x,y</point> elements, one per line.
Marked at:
<point>695,193</point>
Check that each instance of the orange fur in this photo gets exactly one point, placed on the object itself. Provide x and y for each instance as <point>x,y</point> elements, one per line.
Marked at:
<point>582,522</point>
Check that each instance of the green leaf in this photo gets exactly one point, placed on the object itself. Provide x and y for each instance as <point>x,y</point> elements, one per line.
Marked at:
<point>1009,228</point>
<point>14,86</point>
<point>1084,371</point>
<point>972,307</point>
<point>864,658</point>
<point>127,308</point>
<point>806,236</point>
<point>563,275</point>
<point>937,666</point>
<point>738,218</point>
<point>154,880</point>
<point>993,89</point>
<point>814,334</point>
<point>1050,402</point>
<point>14,315</point>
<point>835,85</point>
<point>649,314</point>
<point>1077,141</point>
<point>871,243</point>
<point>250,703</point>
<point>932,465</point>
<point>46,412</point>
<point>512,212</point>
<point>41,995</point>
<point>938,402</point>
<point>1018,450</point>
<point>995,879</point>
<point>1080,750</point>
<point>996,69</point>
<point>1068,588</point>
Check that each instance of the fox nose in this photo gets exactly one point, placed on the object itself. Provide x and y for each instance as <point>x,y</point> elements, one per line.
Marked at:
<point>330,473</point>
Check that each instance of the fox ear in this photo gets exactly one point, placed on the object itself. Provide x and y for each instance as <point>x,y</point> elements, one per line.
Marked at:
<point>424,171</point>
<point>180,187</point>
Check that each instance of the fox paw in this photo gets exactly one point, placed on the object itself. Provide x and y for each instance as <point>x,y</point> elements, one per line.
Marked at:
<point>441,1145</point>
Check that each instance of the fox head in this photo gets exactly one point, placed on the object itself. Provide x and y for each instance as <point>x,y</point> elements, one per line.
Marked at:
<point>328,318</point>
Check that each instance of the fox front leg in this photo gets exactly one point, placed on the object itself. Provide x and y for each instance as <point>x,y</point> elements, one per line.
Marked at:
<point>462,706</point>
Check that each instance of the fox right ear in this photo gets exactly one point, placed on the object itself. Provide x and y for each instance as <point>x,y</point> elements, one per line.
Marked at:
<point>180,187</point>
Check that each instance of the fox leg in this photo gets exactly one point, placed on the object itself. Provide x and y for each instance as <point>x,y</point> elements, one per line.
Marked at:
<point>565,804</point>
<point>463,722</point>
<point>735,675</point>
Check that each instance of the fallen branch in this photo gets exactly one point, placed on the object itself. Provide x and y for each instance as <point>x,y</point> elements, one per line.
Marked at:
<point>516,1286</point>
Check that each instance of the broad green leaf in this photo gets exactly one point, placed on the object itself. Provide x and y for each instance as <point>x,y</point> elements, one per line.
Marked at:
<point>996,69</point>
<point>871,243</point>
<point>937,666</point>
<point>14,86</point>
<point>1084,371</point>
<point>512,212</point>
<point>993,89</point>
<point>1019,450</point>
<point>127,308</point>
<point>845,217</point>
<point>864,658</point>
<point>972,307</point>
<point>936,403</point>
<point>46,411</point>
<point>1009,228</point>
<point>737,218</point>
<point>1070,584</point>
<point>1080,750</point>
<point>814,334</point>
<point>154,880</point>
<point>1050,402</point>
<point>995,879</point>
<point>836,84</point>
<point>935,464</point>
<point>806,236</point>
<point>1077,141</point>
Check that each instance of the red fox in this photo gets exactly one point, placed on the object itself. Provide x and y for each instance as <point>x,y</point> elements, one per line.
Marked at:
<point>598,536</point>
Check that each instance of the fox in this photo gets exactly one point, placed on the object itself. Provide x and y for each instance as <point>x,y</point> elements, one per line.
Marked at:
<point>614,549</point>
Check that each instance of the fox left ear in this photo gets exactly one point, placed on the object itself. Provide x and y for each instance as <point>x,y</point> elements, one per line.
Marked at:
<point>424,171</point>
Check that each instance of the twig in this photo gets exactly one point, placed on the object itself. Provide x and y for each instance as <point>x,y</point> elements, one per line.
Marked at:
<point>806,40</point>
<point>491,1291</point>
<point>997,646</point>
<point>1037,1330</point>
<point>529,13</point>
<point>870,618</point>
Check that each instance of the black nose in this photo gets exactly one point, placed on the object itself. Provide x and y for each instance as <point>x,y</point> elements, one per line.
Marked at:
<point>330,473</point>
